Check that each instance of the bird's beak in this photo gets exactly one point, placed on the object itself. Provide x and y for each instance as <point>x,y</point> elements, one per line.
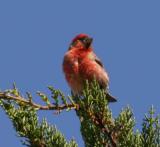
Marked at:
<point>88,42</point>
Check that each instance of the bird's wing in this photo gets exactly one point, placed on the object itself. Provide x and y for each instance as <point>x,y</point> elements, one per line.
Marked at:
<point>98,61</point>
<point>109,97</point>
<point>103,78</point>
<point>92,67</point>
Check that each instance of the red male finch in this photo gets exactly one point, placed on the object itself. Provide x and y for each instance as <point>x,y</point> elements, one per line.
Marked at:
<point>81,63</point>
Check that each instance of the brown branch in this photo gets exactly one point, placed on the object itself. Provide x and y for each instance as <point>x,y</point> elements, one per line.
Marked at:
<point>8,96</point>
<point>99,122</point>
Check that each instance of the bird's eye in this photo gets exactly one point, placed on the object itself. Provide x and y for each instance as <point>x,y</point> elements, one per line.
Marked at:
<point>83,40</point>
<point>86,41</point>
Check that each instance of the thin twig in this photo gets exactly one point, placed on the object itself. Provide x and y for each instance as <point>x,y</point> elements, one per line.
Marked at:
<point>8,96</point>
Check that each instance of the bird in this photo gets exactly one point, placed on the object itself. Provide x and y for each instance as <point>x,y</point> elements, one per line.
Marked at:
<point>80,63</point>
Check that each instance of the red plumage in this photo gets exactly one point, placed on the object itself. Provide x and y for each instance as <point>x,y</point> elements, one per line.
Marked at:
<point>81,63</point>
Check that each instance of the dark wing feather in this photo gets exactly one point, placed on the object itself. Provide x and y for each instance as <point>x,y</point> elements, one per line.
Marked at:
<point>110,98</point>
<point>98,61</point>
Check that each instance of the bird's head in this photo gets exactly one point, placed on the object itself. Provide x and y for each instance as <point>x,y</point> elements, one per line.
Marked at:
<point>81,41</point>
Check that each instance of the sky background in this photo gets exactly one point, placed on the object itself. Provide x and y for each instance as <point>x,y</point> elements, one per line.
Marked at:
<point>34,35</point>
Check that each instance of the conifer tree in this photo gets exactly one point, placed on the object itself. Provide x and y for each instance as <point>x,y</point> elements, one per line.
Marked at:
<point>98,127</point>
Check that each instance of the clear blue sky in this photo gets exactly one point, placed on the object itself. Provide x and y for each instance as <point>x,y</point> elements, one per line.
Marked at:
<point>34,35</point>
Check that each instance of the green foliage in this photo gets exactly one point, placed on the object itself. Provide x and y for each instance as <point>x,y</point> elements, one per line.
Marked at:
<point>151,130</point>
<point>35,134</point>
<point>124,125</point>
<point>95,116</point>
<point>98,127</point>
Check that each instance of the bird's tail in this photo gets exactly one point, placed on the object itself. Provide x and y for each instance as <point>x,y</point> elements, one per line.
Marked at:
<point>110,98</point>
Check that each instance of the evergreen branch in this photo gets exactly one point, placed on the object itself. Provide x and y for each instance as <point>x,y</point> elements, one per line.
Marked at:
<point>98,121</point>
<point>98,127</point>
<point>33,132</point>
<point>22,100</point>
<point>97,124</point>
